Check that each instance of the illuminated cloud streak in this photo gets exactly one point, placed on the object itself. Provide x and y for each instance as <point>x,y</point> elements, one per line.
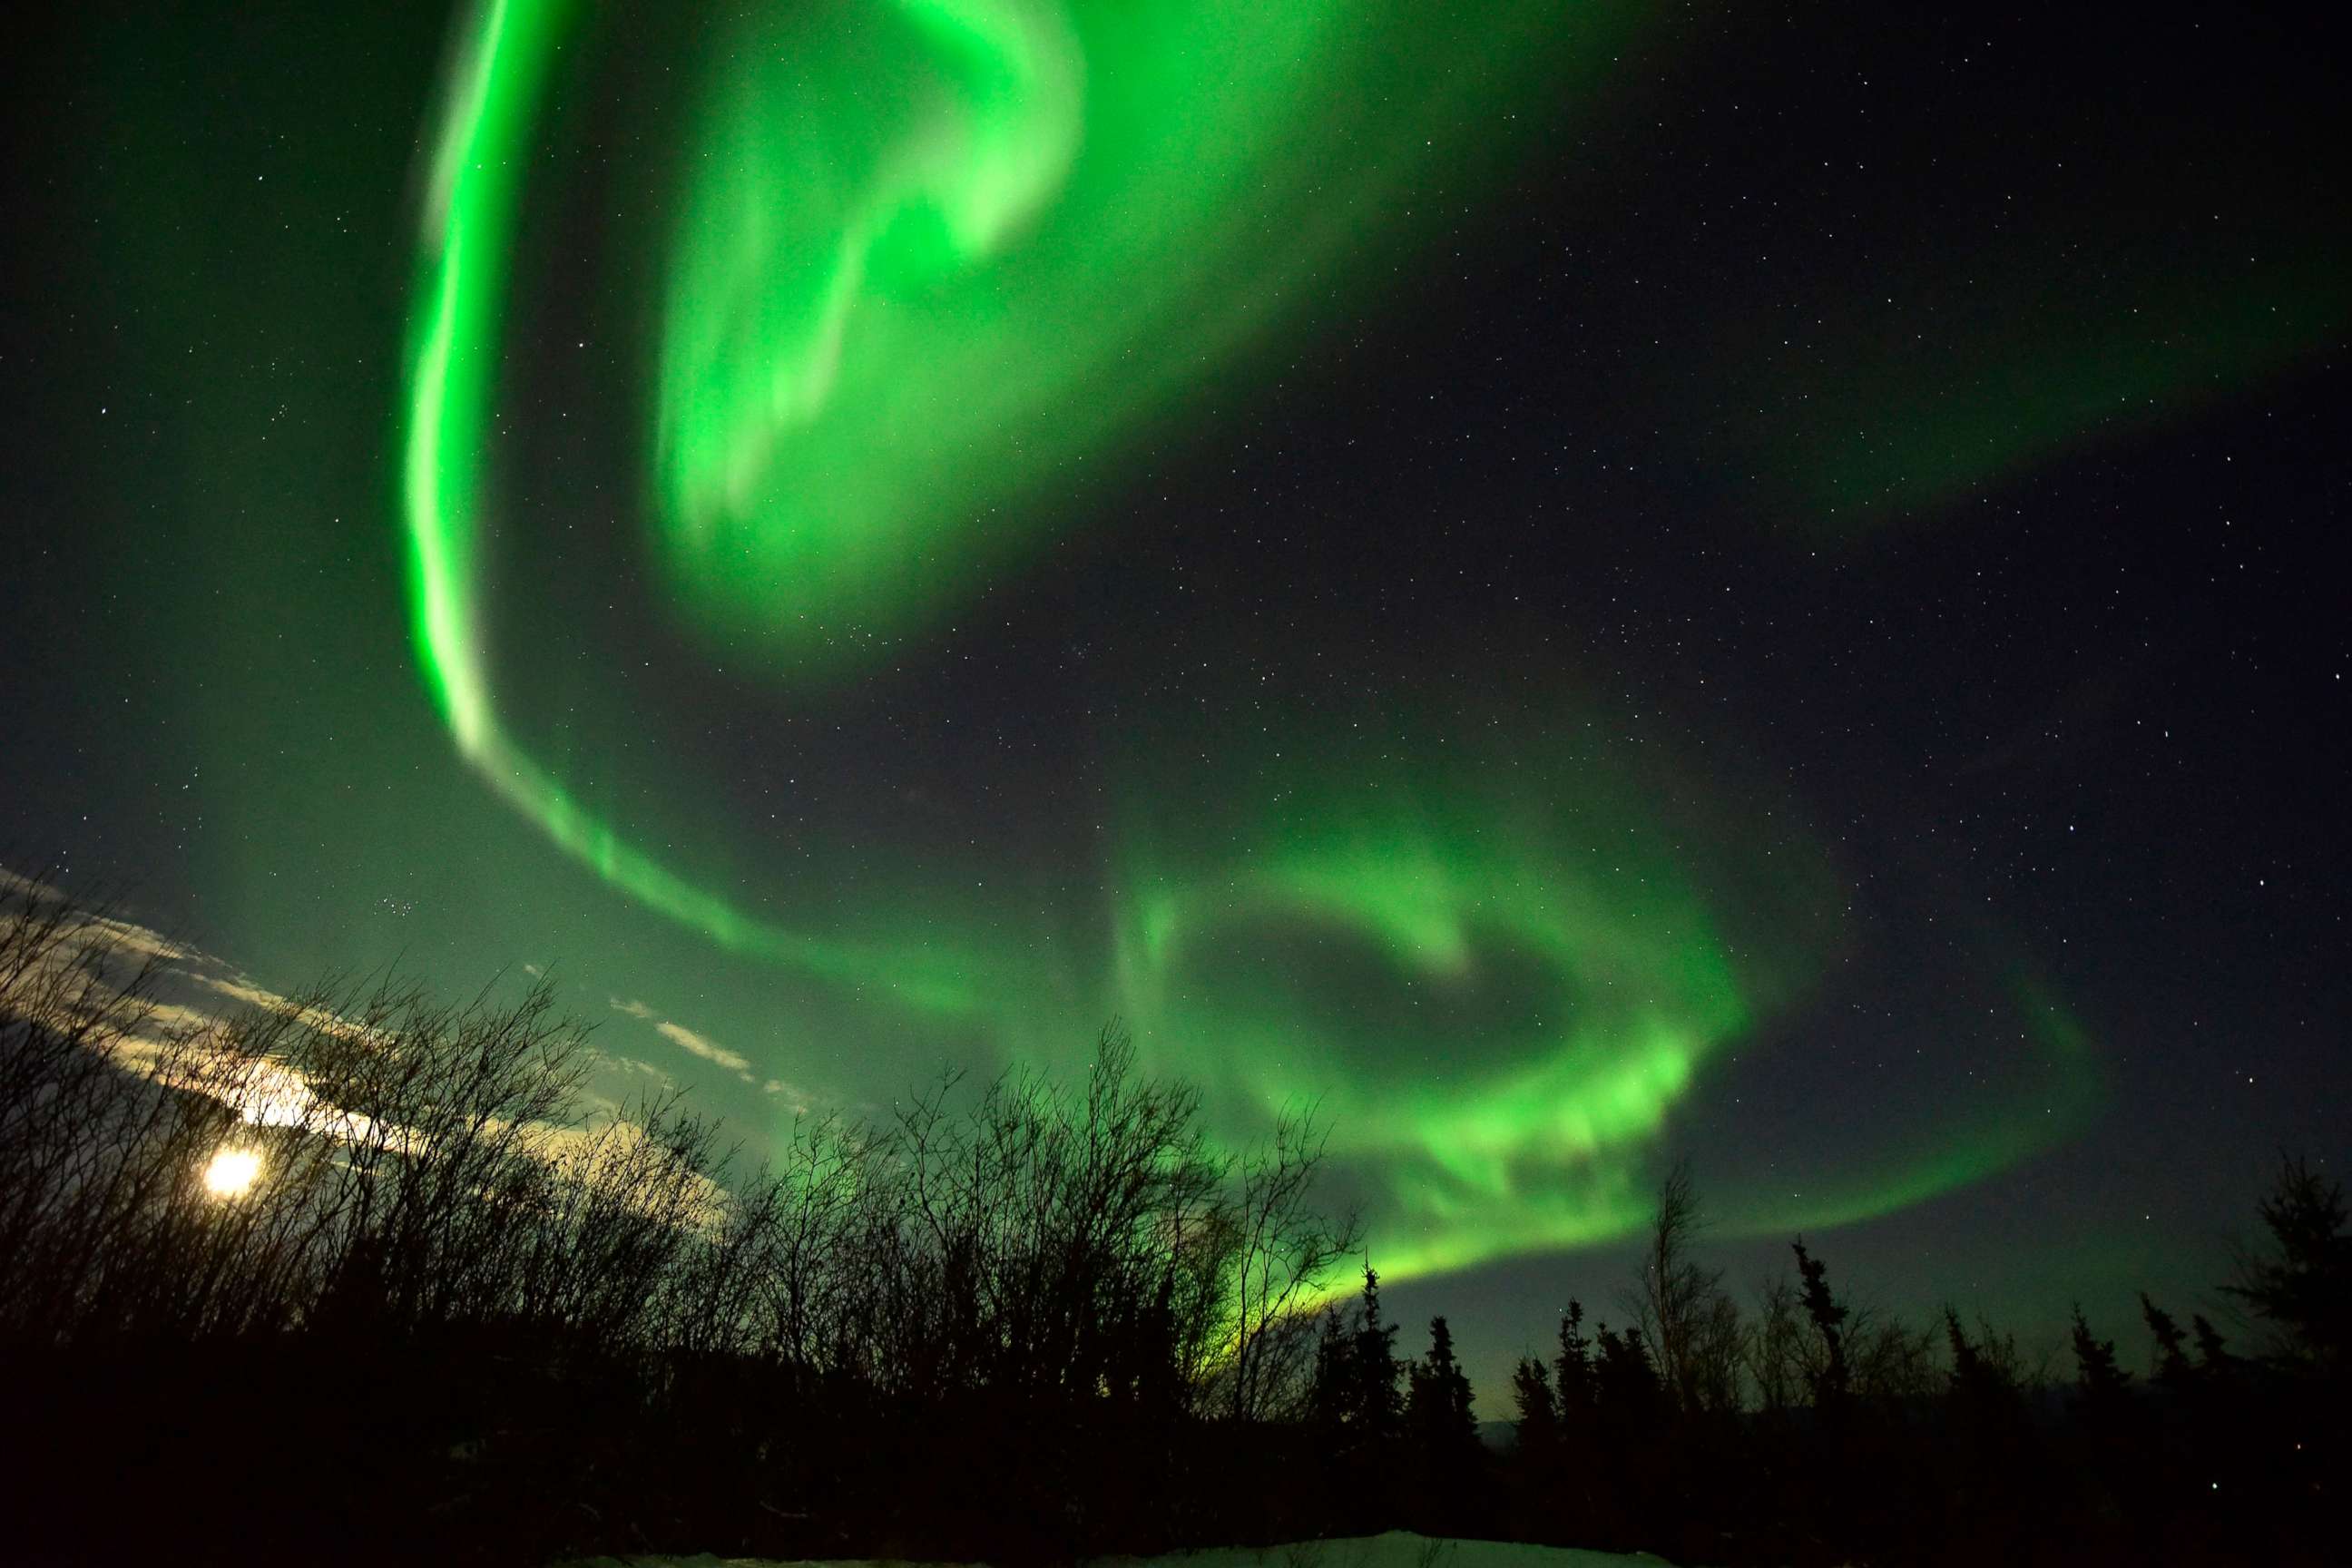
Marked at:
<point>687,1040</point>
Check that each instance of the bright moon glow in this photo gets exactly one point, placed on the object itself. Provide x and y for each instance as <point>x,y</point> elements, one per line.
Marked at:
<point>232,1173</point>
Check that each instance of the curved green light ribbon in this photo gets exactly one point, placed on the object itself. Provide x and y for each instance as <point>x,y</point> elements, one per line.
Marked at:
<point>931,254</point>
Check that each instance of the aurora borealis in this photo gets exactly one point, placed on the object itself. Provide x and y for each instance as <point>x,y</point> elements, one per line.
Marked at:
<point>1569,584</point>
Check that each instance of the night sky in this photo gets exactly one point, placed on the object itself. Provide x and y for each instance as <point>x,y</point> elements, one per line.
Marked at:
<point>1579,584</point>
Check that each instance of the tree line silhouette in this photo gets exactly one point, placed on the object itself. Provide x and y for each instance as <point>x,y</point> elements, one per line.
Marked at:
<point>466,1311</point>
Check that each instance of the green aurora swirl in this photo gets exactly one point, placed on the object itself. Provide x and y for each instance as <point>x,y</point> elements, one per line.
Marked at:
<point>932,258</point>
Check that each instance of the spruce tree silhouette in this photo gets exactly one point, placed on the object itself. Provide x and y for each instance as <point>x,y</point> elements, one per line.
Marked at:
<point>1443,1433</point>
<point>1831,1382</point>
<point>1573,1369</point>
<point>1538,1407</point>
<point>2301,1284</point>
<point>2169,1363</point>
<point>1376,1400</point>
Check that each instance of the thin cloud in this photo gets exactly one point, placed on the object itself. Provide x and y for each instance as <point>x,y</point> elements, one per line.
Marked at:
<point>791,1094</point>
<point>706,1048</point>
<point>692,1042</point>
<point>194,1048</point>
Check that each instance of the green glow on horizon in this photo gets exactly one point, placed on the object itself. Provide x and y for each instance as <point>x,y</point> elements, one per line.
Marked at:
<point>924,270</point>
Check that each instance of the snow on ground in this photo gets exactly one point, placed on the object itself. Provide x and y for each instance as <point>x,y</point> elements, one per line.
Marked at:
<point>1397,1549</point>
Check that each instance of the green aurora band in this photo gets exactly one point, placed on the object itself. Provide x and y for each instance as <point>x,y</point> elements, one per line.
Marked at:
<point>932,256</point>
<point>1495,992</point>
